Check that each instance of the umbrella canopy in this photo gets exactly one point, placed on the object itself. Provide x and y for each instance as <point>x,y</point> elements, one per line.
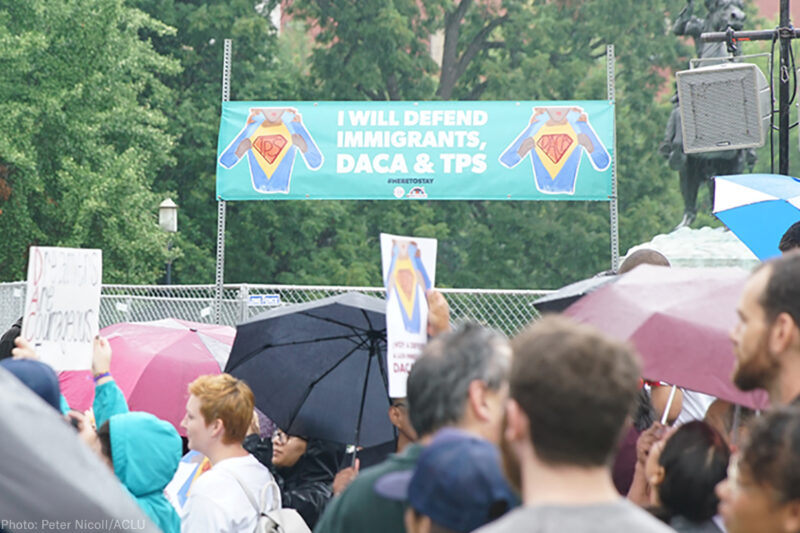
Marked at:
<point>758,208</point>
<point>47,473</point>
<point>558,300</point>
<point>318,369</point>
<point>679,320</point>
<point>154,362</point>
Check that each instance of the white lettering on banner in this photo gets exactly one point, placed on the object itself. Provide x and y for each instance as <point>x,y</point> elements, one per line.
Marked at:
<point>408,139</point>
<point>453,140</point>
<point>373,118</point>
<point>463,162</point>
<point>346,163</point>
<point>451,117</point>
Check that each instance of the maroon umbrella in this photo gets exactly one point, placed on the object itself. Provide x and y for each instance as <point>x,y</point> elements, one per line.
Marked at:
<point>679,320</point>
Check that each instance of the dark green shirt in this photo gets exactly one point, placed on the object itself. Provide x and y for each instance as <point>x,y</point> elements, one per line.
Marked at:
<point>359,509</point>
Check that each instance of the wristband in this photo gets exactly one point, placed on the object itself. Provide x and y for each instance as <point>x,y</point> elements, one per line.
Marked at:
<point>98,377</point>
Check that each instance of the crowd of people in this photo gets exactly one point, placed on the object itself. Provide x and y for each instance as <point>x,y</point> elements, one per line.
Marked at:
<point>553,430</point>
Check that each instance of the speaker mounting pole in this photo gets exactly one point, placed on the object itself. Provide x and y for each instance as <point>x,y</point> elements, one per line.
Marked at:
<point>783,92</point>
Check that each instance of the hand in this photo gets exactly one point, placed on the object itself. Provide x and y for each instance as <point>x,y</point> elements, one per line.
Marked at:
<point>300,142</point>
<point>243,148</point>
<point>650,436</point>
<point>586,142</point>
<point>438,313</point>
<point>101,356</point>
<point>526,146</point>
<point>23,350</point>
<point>344,477</point>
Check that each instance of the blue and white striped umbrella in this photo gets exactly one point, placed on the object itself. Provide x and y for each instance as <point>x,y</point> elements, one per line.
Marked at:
<point>758,208</point>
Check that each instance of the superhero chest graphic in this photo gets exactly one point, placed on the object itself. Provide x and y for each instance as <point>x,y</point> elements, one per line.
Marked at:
<point>270,145</point>
<point>405,279</point>
<point>554,145</point>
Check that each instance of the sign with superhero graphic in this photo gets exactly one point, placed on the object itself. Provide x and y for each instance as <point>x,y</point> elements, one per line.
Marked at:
<point>415,150</point>
<point>409,270</point>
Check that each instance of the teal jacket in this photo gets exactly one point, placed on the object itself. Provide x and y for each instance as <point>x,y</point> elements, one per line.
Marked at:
<point>145,452</point>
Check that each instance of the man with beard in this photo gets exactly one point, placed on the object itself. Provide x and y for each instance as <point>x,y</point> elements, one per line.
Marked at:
<point>766,339</point>
<point>561,435</point>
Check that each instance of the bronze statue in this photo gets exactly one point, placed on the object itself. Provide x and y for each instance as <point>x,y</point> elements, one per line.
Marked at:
<point>694,169</point>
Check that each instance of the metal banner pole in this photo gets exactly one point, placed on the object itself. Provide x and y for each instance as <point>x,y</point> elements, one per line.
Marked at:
<point>220,270</point>
<point>613,207</point>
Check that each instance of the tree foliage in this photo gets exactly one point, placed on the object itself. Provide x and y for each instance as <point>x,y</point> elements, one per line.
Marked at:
<point>342,50</point>
<point>514,50</point>
<point>83,134</point>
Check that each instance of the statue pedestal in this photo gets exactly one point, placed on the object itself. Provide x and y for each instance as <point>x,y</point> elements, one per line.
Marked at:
<point>704,247</point>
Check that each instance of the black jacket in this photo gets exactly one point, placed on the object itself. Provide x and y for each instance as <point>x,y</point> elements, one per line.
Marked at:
<point>308,485</point>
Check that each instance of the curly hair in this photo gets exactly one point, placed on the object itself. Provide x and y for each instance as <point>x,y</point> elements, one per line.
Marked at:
<point>771,455</point>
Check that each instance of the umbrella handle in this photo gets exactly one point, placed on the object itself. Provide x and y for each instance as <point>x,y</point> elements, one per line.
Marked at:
<point>665,414</point>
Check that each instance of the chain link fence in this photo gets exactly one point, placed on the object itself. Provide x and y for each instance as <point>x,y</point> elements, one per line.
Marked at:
<point>505,310</point>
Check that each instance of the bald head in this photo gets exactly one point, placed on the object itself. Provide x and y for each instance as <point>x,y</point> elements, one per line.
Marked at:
<point>645,256</point>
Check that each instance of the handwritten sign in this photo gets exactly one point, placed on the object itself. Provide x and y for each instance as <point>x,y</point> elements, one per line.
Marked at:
<point>62,305</point>
<point>409,270</point>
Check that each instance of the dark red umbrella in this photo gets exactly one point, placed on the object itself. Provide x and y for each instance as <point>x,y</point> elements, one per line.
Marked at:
<point>679,320</point>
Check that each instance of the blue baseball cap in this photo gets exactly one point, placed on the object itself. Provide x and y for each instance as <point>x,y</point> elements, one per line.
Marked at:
<point>457,482</point>
<point>37,376</point>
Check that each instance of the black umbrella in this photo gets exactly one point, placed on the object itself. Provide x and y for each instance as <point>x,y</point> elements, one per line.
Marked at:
<point>318,369</point>
<point>558,300</point>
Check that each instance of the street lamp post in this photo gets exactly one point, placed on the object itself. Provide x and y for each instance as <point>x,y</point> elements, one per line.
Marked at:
<point>168,220</point>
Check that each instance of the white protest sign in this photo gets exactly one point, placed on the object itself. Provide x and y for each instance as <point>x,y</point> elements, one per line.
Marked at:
<point>62,305</point>
<point>409,269</point>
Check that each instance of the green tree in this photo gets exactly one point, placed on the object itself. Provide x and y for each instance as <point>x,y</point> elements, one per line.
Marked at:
<point>83,134</point>
<point>261,70</point>
<point>512,50</point>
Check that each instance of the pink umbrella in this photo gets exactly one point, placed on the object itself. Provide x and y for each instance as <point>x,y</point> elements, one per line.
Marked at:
<point>679,320</point>
<point>77,387</point>
<point>153,363</point>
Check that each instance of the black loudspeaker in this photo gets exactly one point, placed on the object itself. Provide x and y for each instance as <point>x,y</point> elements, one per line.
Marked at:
<point>723,107</point>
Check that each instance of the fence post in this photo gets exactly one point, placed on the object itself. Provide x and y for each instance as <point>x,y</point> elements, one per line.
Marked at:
<point>244,299</point>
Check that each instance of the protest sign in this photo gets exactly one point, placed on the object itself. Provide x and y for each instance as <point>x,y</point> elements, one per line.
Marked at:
<point>409,269</point>
<point>536,150</point>
<point>62,305</point>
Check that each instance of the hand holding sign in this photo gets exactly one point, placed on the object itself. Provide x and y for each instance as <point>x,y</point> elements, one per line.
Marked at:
<point>101,360</point>
<point>23,350</point>
<point>438,313</point>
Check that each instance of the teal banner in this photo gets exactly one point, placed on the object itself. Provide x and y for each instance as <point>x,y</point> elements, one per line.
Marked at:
<point>415,150</point>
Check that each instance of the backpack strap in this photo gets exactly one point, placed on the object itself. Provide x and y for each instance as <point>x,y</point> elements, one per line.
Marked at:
<point>272,486</point>
<point>247,492</point>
